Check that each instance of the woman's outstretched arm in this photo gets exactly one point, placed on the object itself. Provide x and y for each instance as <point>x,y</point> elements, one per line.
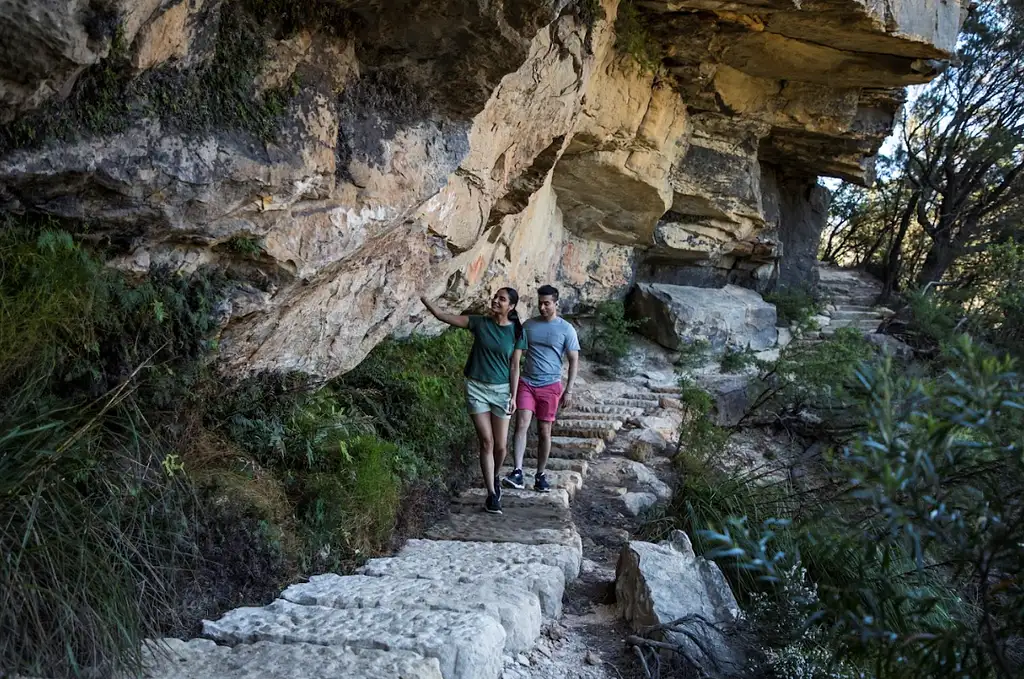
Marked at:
<point>450,319</point>
<point>513,379</point>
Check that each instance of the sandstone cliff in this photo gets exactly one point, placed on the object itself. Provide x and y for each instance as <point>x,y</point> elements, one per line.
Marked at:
<point>341,159</point>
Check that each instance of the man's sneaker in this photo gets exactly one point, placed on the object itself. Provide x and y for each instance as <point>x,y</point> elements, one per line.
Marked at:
<point>493,504</point>
<point>514,479</point>
<point>540,484</point>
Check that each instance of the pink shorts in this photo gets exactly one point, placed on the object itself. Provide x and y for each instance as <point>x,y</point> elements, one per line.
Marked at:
<point>541,401</point>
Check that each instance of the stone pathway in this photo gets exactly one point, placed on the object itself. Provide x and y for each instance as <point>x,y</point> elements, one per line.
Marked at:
<point>853,295</point>
<point>481,598</point>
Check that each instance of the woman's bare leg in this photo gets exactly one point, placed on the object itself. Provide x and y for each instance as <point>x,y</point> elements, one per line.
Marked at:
<point>499,427</point>
<point>485,437</point>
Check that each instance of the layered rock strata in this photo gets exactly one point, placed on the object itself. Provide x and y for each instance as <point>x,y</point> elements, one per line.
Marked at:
<point>449,148</point>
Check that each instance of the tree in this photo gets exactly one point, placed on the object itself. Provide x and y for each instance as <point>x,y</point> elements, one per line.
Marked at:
<point>964,144</point>
<point>954,184</point>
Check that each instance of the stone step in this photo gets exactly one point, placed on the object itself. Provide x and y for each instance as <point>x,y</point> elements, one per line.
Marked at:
<point>831,330</point>
<point>534,525</point>
<point>560,479</point>
<point>645,396</point>
<point>599,409</point>
<point>204,659</point>
<point>566,558</point>
<point>596,417</point>
<point>541,569</point>
<point>868,325</point>
<point>642,404</point>
<point>562,464</point>
<point>570,447</point>
<point>577,431</point>
<point>466,645</point>
<point>473,499</point>
<point>843,314</point>
<point>518,612</point>
<point>604,429</point>
<point>663,389</point>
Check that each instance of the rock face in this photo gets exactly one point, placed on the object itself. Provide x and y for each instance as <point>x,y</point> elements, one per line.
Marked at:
<point>659,584</point>
<point>676,315</point>
<point>493,144</point>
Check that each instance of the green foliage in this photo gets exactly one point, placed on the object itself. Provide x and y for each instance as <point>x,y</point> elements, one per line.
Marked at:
<point>412,392</point>
<point>794,305</point>
<point>736,360</point>
<point>67,323</point>
<point>812,377</point>
<point>351,510</point>
<point>87,529</point>
<point>929,511</point>
<point>246,246</point>
<point>610,337</point>
<point>633,38</point>
<point>108,98</point>
<point>96,519</point>
<point>699,436</point>
<point>140,493</point>
<point>692,353</point>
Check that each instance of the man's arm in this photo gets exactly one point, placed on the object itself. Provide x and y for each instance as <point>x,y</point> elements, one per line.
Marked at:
<point>513,379</point>
<point>574,366</point>
<point>450,319</point>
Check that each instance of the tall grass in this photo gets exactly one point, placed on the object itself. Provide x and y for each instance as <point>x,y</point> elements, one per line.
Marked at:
<point>140,493</point>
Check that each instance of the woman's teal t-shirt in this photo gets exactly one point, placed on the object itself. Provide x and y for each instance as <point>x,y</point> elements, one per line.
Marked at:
<point>491,355</point>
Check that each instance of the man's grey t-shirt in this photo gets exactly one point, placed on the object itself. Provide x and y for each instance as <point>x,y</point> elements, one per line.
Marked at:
<point>549,340</point>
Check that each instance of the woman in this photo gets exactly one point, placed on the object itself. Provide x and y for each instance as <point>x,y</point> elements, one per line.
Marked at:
<point>492,378</point>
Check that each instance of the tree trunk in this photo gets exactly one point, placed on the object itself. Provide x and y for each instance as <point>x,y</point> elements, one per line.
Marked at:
<point>894,261</point>
<point>938,260</point>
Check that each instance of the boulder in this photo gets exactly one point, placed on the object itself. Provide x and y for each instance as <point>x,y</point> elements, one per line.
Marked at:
<point>731,396</point>
<point>673,315</point>
<point>656,584</point>
<point>636,504</point>
<point>889,345</point>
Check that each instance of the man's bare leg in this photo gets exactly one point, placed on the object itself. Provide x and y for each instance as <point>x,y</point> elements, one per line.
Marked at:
<point>543,444</point>
<point>523,419</point>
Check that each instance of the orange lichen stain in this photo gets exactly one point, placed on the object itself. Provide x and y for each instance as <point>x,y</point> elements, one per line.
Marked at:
<point>475,270</point>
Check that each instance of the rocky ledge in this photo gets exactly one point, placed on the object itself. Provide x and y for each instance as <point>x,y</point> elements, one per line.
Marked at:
<point>446,148</point>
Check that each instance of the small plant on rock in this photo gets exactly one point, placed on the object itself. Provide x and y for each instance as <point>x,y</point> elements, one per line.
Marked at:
<point>736,360</point>
<point>692,353</point>
<point>611,333</point>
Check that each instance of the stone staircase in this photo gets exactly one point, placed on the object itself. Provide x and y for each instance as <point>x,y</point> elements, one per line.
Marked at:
<point>853,295</point>
<point>455,605</point>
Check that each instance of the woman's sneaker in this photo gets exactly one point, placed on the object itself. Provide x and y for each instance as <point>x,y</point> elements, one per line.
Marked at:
<point>514,479</point>
<point>540,484</point>
<point>493,504</point>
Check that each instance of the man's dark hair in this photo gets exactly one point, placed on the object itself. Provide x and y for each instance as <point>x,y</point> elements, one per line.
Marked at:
<point>548,290</point>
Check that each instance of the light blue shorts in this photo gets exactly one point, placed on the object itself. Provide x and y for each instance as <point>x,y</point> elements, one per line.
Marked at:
<point>482,397</point>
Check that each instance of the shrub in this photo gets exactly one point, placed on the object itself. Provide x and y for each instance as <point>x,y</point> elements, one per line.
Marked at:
<point>699,436</point>
<point>929,501</point>
<point>692,353</point>
<point>350,513</point>
<point>633,39</point>
<point>96,522</point>
<point>412,392</point>
<point>794,305</point>
<point>736,360</point>
<point>812,379</point>
<point>610,338</point>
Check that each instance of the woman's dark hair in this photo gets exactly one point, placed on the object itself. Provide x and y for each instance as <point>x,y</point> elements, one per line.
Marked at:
<point>513,315</point>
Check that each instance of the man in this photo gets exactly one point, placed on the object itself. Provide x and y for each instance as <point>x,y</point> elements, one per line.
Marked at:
<point>540,386</point>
